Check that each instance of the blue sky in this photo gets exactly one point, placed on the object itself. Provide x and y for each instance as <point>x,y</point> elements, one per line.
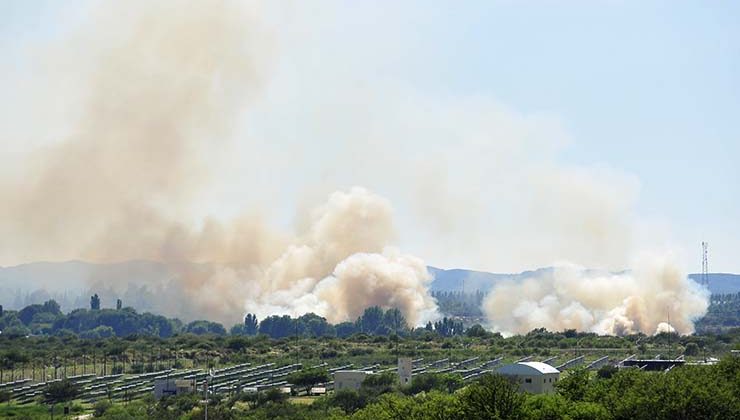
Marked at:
<point>647,89</point>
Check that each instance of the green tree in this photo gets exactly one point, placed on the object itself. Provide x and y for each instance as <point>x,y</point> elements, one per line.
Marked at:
<point>346,399</point>
<point>345,329</point>
<point>692,349</point>
<point>5,396</point>
<point>315,326</point>
<point>30,312</point>
<point>448,327</point>
<point>371,320</point>
<point>95,302</point>
<point>433,405</point>
<point>307,378</point>
<point>100,407</point>
<point>277,326</point>
<point>545,407</point>
<point>378,384</point>
<point>476,331</point>
<point>492,397</point>
<point>555,406</point>
<point>250,324</point>
<point>425,382</point>
<point>62,391</point>
<point>202,327</point>
<point>574,385</point>
<point>394,320</point>
<point>606,371</point>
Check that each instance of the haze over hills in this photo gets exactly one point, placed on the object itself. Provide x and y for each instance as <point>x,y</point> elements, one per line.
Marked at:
<point>71,282</point>
<point>138,282</point>
<point>449,280</point>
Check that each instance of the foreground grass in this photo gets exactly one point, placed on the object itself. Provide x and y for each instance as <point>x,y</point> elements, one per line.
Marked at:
<point>302,400</point>
<point>39,411</point>
<point>30,411</point>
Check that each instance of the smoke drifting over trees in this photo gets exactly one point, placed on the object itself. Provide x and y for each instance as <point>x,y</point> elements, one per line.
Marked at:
<point>655,297</point>
<point>165,86</point>
<point>165,83</point>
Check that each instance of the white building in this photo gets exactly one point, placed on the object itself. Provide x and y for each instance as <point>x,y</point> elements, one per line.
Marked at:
<point>349,379</point>
<point>532,377</point>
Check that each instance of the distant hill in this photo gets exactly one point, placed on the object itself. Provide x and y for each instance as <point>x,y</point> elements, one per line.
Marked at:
<point>721,282</point>
<point>451,280</point>
<point>71,282</point>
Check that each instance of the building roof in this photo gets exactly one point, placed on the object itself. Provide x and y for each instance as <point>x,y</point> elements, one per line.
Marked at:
<point>527,368</point>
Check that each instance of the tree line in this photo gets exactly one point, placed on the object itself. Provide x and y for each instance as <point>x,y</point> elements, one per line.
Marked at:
<point>723,313</point>
<point>97,322</point>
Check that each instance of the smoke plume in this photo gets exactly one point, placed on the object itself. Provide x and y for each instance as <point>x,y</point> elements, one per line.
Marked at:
<point>343,264</point>
<point>164,87</point>
<point>162,82</point>
<point>161,94</point>
<point>655,297</point>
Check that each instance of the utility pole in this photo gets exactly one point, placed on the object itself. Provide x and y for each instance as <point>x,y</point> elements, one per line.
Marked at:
<point>670,333</point>
<point>705,264</point>
<point>205,394</point>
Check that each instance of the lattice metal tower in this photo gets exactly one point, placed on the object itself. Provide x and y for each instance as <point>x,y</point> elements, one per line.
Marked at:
<point>704,264</point>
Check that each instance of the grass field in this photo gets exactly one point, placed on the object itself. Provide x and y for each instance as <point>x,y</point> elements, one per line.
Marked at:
<point>32,411</point>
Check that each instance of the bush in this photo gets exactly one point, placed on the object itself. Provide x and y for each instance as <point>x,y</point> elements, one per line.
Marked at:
<point>426,382</point>
<point>349,401</point>
<point>606,371</point>
<point>101,407</point>
<point>476,331</point>
<point>492,397</point>
<point>692,349</point>
<point>329,354</point>
<point>137,368</point>
<point>360,351</point>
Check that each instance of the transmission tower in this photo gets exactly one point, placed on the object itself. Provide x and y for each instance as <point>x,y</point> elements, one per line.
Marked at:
<point>704,264</point>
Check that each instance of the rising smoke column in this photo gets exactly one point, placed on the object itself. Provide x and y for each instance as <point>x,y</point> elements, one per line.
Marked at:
<point>161,82</point>
<point>163,86</point>
<point>343,264</point>
<point>654,297</point>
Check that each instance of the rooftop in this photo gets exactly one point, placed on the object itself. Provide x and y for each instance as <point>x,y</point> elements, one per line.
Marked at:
<point>537,368</point>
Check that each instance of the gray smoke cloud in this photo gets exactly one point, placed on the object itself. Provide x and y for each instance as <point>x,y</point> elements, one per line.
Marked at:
<point>655,297</point>
<point>165,85</point>
<point>162,81</point>
<point>341,265</point>
<point>157,91</point>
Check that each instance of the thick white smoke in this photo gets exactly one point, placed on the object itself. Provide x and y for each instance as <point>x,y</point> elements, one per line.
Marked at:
<point>655,297</point>
<point>342,265</point>
<point>164,87</point>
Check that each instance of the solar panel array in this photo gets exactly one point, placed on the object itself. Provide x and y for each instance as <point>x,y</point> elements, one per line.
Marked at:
<point>120,387</point>
<point>244,377</point>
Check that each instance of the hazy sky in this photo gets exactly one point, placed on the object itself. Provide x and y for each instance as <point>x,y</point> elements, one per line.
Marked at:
<point>507,134</point>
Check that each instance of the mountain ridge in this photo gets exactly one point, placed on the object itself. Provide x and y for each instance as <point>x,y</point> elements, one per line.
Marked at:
<point>70,281</point>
